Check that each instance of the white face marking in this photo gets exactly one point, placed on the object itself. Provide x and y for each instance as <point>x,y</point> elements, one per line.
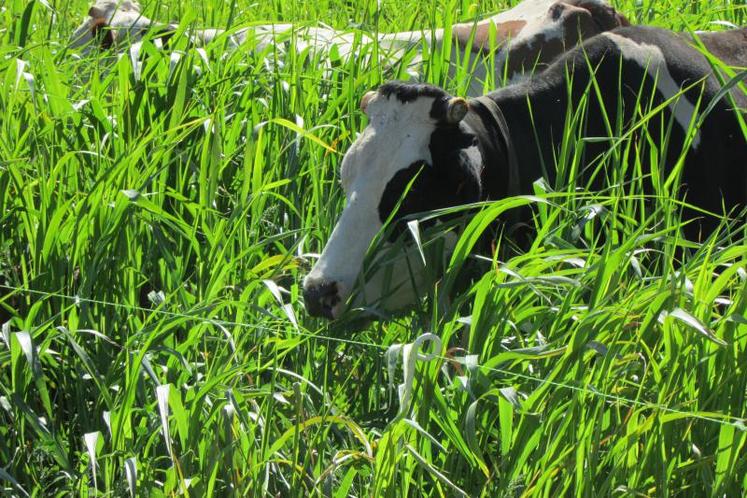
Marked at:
<point>651,58</point>
<point>398,134</point>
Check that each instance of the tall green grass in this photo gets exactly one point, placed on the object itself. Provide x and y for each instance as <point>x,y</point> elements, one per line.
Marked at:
<point>154,229</point>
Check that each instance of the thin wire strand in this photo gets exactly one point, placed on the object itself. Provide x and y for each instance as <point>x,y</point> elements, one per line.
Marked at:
<point>736,422</point>
<point>173,314</point>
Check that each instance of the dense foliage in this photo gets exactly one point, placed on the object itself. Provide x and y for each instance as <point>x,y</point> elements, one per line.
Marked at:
<point>158,211</point>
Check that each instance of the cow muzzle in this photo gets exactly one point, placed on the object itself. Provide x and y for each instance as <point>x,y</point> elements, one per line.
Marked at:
<point>322,298</point>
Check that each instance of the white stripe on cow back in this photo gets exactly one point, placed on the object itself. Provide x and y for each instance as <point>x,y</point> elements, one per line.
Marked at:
<point>652,59</point>
<point>398,134</point>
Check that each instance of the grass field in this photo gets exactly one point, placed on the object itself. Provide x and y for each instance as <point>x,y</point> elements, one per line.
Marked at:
<point>155,226</point>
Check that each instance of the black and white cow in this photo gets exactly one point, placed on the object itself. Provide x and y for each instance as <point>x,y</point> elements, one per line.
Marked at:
<point>526,37</point>
<point>452,151</point>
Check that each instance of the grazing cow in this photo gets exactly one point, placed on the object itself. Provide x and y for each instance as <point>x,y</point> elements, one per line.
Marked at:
<point>526,37</point>
<point>452,151</point>
<point>115,23</point>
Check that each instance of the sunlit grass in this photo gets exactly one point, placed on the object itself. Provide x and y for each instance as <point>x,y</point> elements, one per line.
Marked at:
<point>154,229</point>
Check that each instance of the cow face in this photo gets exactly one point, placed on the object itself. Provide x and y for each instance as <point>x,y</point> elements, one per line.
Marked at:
<point>110,22</point>
<point>415,155</point>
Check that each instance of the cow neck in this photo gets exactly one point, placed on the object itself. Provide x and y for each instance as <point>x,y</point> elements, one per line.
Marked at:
<point>500,173</point>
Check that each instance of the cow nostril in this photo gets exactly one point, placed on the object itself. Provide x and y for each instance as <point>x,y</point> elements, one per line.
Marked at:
<point>320,298</point>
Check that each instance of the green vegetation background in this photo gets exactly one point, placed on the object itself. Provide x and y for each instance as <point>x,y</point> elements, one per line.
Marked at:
<point>154,230</point>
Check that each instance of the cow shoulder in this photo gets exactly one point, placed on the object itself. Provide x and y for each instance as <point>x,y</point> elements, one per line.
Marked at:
<point>684,63</point>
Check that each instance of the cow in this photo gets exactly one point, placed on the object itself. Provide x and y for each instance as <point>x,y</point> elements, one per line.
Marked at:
<point>511,43</point>
<point>116,23</point>
<point>424,149</point>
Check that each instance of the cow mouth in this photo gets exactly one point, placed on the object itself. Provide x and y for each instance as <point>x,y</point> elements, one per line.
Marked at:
<point>322,300</point>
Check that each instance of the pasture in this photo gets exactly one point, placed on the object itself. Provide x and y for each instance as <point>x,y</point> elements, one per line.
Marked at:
<point>159,210</point>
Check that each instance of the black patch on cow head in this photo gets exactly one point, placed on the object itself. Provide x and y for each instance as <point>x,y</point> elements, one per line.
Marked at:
<point>409,92</point>
<point>452,179</point>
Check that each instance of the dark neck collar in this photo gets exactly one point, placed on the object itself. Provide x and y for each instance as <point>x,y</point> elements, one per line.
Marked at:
<point>500,174</point>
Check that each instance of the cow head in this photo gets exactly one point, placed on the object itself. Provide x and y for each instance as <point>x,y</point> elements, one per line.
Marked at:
<point>565,24</point>
<point>418,153</point>
<point>110,22</point>
<point>536,32</point>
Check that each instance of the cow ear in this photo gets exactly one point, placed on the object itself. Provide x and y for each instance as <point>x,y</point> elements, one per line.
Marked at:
<point>604,16</point>
<point>96,13</point>
<point>456,109</point>
<point>576,19</point>
<point>366,99</point>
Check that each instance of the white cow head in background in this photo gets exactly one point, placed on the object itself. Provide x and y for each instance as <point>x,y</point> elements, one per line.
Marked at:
<point>110,23</point>
<point>114,24</point>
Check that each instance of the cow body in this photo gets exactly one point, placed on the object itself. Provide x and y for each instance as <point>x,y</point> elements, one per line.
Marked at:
<point>626,59</point>
<point>511,43</point>
<point>729,46</point>
<point>414,153</point>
